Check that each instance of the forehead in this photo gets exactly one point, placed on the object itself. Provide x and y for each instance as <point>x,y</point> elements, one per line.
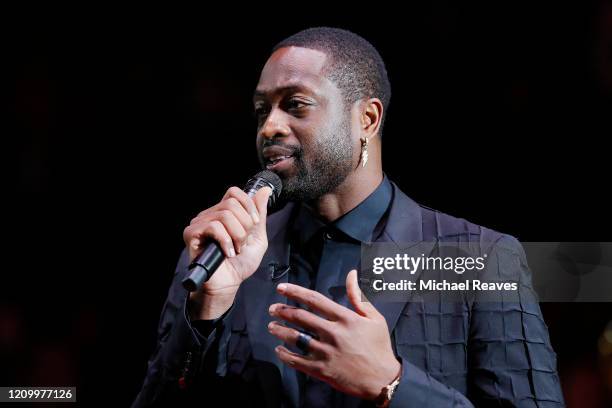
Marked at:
<point>294,67</point>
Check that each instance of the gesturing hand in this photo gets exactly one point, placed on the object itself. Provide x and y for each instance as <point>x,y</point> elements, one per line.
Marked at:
<point>352,351</point>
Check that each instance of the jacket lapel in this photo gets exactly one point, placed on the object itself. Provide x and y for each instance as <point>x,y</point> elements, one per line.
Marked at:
<point>404,227</point>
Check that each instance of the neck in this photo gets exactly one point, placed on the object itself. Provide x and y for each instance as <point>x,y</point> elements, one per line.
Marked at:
<point>353,190</point>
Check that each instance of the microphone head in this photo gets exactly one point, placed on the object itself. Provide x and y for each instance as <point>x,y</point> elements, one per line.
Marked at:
<point>262,179</point>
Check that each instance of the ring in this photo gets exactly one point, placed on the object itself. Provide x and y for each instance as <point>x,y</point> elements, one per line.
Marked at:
<point>303,341</point>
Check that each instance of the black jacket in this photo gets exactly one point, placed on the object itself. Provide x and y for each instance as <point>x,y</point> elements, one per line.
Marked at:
<point>459,355</point>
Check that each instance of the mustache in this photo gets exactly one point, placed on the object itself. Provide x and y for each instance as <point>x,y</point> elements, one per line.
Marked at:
<point>296,150</point>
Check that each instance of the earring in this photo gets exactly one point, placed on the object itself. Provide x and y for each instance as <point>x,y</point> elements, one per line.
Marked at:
<point>364,151</point>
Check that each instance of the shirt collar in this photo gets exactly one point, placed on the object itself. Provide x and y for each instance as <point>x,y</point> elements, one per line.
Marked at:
<point>358,224</point>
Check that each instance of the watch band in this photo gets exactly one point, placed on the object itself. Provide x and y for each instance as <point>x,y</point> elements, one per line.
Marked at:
<point>384,398</point>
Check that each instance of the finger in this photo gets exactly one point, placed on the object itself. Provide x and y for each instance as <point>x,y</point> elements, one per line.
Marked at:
<point>361,305</point>
<point>314,301</point>
<point>231,204</point>
<point>202,215</point>
<point>300,362</point>
<point>233,227</point>
<point>302,318</point>
<point>239,212</point>
<point>196,235</point>
<point>245,201</point>
<point>290,336</point>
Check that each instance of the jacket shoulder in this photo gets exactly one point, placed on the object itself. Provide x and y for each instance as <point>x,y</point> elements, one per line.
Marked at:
<point>440,226</point>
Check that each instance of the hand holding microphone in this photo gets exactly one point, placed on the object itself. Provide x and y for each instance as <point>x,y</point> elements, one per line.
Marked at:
<point>226,243</point>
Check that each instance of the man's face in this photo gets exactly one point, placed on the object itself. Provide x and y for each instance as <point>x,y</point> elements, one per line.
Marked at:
<point>304,127</point>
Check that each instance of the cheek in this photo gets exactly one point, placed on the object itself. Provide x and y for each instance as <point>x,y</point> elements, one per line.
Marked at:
<point>320,128</point>
<point>307,134</point>
<point>259,147</point>
<point>356,128</point>
<point>356,120</point>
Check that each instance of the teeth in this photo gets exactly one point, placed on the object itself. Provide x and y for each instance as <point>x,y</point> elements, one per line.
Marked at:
<point>276,159</point>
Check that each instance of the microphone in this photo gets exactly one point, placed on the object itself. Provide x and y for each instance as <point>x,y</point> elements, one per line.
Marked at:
<point>204,265</point>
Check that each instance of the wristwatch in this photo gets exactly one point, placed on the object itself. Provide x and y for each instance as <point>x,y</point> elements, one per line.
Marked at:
<point>384,398</point>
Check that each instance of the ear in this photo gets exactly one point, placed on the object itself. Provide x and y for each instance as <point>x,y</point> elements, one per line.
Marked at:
<point>371,116</point>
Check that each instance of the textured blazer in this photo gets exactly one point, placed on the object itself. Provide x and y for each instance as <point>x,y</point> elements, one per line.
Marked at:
<point>454,354</point>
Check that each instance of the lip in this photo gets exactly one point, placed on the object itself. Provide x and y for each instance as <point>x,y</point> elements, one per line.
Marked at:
<point>277,158</point>
<point>280,165</point>
<point>274,151</point>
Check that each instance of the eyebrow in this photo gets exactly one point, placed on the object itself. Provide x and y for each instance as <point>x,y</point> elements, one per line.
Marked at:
<point>283,89</point>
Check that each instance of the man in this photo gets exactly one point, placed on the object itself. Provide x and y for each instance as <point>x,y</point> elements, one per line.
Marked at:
<point>282,321</point>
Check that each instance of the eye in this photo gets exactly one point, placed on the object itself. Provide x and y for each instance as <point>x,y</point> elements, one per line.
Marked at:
<point>296,104</point>
<point>260,111</point>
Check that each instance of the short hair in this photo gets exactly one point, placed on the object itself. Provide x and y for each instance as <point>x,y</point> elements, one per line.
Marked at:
<point>355,66</point>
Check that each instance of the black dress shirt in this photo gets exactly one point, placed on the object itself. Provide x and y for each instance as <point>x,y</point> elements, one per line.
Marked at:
<point>321,257</point>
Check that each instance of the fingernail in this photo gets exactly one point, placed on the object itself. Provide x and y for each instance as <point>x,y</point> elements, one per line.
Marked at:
<point>277,349</point>
<point>270,326</point>
<point>255,217</point>
<point>232,253</point>
<point>271,309</point>
<point>282,287</point>
<point>195,244</point>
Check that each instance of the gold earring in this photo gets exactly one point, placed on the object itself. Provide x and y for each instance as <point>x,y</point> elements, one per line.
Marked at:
<point>364,151</point>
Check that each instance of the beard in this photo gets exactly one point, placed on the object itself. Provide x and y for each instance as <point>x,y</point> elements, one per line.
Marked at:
<point>321,166</point>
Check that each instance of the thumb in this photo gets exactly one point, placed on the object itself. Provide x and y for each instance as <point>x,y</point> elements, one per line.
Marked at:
<point>361,305</point>
<point>261,202</point>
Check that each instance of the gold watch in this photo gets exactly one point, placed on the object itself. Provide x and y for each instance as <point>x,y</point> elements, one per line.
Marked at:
<point>384,398</point>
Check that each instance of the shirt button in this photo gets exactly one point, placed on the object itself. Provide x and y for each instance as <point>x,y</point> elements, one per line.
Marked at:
<point>328,235</point>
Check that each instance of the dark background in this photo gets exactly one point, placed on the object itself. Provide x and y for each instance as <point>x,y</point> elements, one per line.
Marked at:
<point>128,124</point>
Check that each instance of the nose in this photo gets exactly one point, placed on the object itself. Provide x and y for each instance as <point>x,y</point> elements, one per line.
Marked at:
<point>275,125</point>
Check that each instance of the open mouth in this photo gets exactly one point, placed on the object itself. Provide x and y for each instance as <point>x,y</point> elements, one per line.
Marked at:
<point>278,161</point>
